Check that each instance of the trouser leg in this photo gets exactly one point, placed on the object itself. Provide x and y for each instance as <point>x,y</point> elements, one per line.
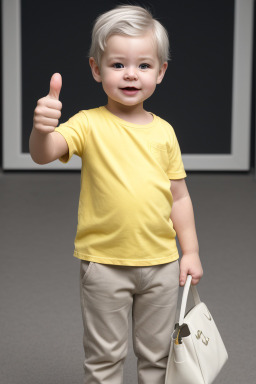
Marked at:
<point>154,311</point>
<point>106,300</point>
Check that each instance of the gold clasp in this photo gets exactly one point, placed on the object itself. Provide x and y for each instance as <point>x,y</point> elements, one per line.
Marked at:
<point>200,335</point>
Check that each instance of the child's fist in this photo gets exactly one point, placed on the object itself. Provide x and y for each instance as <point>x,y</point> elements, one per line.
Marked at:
<point>190,264</point>
<point>48,109</point>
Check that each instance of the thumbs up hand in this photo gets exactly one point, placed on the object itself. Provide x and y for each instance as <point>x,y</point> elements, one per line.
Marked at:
<point>48,109</point>
<point>55,86</point>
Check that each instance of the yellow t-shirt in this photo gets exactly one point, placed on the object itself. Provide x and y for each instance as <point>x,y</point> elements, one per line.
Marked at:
<point>125,198</point>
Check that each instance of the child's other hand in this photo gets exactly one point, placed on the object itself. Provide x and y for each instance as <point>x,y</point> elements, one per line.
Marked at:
<point>190,264</point>
<point>48,109</point>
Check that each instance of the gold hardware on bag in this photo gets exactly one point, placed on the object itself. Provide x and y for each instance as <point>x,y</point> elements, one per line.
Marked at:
<point>200,335</point>
<point>208,316</point>
<point>177,338</point>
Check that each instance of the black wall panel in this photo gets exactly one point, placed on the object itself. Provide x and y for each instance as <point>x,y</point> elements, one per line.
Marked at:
<point>196,94</point>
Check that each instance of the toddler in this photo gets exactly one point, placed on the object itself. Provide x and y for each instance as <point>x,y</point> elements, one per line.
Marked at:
<point>133,199</point>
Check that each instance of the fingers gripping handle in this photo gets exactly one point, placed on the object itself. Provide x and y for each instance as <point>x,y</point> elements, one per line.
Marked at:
<point>187,288</point>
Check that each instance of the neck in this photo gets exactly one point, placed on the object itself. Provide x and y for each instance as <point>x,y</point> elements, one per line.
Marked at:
<point>134,114</point>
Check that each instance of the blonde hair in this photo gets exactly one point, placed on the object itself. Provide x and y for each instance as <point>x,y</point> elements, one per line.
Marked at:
<point>129,20</point>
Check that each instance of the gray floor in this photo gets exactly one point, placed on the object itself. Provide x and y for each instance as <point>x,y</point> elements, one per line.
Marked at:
<point>41,325</point>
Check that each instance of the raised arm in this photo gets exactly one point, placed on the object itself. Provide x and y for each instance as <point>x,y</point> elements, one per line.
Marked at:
<point>45,145</point>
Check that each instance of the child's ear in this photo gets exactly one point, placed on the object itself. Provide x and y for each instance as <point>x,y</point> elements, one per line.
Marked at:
<point>161,73</point>
<point>95,69</point>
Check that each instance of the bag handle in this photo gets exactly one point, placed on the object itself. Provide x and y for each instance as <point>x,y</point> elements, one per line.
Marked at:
<point>188,288</point>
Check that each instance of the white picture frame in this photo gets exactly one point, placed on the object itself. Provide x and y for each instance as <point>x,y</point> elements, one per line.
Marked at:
<point>237,160</point>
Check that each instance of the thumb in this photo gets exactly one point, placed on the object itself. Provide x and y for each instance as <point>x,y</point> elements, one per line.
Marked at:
<point>183,276</point>
<point>55,86</point>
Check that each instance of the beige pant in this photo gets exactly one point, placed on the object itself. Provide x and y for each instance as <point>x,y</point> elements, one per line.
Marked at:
<point>108,292</point>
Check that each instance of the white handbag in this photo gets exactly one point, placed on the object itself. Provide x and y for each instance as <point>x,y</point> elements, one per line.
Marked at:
<point>197,353</point>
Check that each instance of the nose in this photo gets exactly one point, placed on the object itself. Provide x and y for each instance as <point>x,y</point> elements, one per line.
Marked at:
<point>130,74</point>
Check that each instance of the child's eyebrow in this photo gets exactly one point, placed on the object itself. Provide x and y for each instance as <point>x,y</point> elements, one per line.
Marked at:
<point>116,57</point>
<point>123,57</point>
<point>145,58</point>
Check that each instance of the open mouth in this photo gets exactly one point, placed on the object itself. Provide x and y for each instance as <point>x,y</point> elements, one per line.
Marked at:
<point>130,89</point>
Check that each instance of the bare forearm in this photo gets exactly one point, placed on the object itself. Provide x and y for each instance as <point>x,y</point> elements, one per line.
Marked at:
<point>182,216</point>
<point>41,147</point>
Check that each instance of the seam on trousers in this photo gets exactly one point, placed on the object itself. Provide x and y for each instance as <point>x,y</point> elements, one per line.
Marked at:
<point>139,356</point>
<point>140,279</point>
<point>86,345</point>
<point>137,349</point>
<point>151,278</point>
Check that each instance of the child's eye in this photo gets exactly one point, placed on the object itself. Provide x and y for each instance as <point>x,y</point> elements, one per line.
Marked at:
<point>118,65</point>
<point>144,66</point>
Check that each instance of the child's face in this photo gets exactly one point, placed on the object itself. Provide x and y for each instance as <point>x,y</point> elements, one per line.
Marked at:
<point>130,69</point>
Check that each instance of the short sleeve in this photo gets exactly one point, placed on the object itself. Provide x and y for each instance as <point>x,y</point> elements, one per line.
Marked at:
<point>176,168</point>
<point>75,132</point>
